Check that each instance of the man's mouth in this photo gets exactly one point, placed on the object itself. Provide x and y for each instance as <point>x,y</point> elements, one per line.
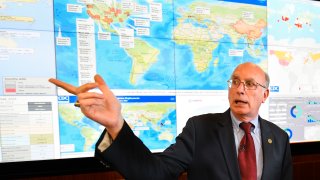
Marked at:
<point>240,102</point>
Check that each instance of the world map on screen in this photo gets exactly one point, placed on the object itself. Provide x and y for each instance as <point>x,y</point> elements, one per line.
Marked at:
<point>294,51</point>
<point>152,119</point>
<point>185,45</point>
<point>165,45</point>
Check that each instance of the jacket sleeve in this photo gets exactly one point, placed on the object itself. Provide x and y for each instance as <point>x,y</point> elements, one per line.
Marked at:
<point>128,155</point>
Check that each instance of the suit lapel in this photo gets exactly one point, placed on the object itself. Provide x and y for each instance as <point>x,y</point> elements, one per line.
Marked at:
<point>267,140</point>
<point>226,138</point>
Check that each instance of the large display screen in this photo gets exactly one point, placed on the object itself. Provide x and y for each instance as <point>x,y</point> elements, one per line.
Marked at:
<point>165,61</point>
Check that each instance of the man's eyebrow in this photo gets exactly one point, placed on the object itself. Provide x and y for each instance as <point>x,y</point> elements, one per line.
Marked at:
<point>234,76</point>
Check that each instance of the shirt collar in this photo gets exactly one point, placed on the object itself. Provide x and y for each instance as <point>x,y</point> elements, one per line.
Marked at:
<point>236,123</point>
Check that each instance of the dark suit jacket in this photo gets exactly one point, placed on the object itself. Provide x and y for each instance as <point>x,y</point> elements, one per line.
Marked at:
<point>205,149</point>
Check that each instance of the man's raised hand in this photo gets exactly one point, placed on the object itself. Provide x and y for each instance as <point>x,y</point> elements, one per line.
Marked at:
<point>104,107</point>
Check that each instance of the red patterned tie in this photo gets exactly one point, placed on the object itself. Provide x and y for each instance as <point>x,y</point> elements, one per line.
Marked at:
<point>247,154</point>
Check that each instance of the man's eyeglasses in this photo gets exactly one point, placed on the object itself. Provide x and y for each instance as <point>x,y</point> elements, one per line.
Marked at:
<point>249,84</point>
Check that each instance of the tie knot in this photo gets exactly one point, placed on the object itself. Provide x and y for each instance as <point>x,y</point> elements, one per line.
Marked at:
<point>246,127</point>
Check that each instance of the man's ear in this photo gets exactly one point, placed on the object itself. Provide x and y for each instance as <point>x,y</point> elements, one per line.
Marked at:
<point>265,95</point>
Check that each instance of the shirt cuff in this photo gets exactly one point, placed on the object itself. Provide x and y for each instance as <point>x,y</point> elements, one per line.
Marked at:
<point>105,143</point>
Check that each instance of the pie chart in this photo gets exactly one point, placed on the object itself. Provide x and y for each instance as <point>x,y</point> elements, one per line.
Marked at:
<point>296,111</point>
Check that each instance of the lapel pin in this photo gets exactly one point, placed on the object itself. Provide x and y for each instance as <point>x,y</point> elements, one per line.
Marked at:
<point>270,141</point>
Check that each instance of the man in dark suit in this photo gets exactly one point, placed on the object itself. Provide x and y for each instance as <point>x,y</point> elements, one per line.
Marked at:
<point>209,145</point>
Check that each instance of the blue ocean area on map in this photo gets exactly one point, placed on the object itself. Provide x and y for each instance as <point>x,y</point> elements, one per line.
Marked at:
<point>71,135</point>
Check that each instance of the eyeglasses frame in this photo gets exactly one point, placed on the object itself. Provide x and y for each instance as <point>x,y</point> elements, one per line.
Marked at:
<point>244,84</point>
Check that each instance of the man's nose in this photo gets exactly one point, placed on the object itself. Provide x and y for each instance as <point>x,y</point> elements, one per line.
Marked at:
<point>242,86</point>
